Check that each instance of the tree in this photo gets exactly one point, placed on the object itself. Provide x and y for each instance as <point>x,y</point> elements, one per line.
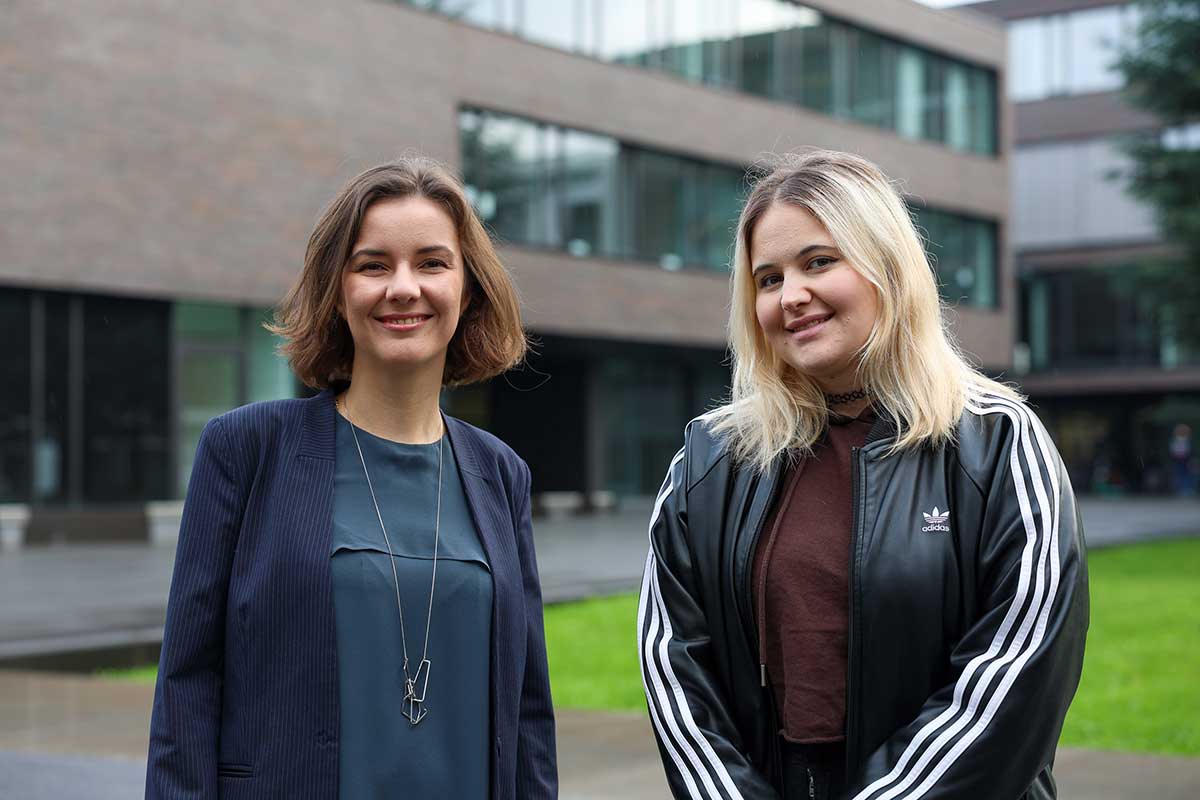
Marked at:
<point>1161,66</point>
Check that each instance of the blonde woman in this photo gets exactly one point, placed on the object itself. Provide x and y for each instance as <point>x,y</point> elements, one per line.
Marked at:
<point>866,576</point>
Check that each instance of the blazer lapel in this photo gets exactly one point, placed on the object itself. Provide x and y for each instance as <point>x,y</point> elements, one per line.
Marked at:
<point>490,509</point>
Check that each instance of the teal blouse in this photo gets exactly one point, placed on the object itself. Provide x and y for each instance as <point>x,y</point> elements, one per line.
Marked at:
<point>381,754</point>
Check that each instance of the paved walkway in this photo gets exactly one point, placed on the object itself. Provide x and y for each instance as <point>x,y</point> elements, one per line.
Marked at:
<point>75,738</point>
<point>87,597</point>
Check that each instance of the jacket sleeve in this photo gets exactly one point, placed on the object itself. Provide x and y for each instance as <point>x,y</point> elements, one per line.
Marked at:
<point>537,768</point>
<point>991,733</point>
<point>185,721</point>
<point>700,747</point>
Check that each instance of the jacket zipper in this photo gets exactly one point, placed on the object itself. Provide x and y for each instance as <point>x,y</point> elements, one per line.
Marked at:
<point>858,512</point>
<point>748,582</point>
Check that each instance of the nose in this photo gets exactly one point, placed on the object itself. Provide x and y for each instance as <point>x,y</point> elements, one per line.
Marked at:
<point>403,286</point>
<point>796,292</point>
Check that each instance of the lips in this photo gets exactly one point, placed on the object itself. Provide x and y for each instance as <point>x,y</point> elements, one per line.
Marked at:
<point>403,322</point>
<point>807,325</point>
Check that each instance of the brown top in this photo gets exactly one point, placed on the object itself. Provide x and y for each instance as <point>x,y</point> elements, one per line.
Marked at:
<point>801,586</point>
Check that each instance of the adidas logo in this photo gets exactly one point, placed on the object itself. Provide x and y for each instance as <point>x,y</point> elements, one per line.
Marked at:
<point>936,520</point>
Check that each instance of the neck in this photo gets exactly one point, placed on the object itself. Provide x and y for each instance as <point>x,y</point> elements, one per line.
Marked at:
<point>400,406</point>
<point>853,408</point>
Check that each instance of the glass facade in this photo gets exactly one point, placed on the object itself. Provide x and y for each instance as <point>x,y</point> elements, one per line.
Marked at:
<point>591,195</point>
<point>776,49</point>
<point>964,253</point>
<point>224,358</point>
<point>1067,54</point>
<point>114,392</point>
<point>1064,331</point>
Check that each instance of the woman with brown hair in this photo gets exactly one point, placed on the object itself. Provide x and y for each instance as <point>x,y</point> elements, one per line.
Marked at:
<point>355,610</point>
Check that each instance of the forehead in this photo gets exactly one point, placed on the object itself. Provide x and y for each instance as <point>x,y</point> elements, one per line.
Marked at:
<point>407,220</point>
<point>784,230</point>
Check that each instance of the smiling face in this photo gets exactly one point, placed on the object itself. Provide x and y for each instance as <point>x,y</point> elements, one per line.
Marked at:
<point>403,288</point>
<point>815,310</point>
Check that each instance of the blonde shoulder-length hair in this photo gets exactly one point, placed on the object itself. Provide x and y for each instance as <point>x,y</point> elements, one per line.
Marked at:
<point>909,365</point>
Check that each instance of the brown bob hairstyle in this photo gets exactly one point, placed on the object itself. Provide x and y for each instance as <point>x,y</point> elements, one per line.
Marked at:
<point>317,341</point>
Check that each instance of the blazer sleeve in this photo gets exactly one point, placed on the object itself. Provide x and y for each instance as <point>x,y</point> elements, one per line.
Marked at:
<point>701,749</point>
<point>537,768</point>
<point>991,733</point>
<point>185,721</point>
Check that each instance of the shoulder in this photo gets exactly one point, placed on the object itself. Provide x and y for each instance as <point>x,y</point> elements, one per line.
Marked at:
<point>994,429</point>
<point>261,420</point>
<point>703,448</point>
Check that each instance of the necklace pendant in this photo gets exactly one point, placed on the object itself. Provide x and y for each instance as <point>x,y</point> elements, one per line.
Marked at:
<point>414,693</point>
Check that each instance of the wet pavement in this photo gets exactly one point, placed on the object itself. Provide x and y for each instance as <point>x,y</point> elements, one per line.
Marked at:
<point>82,738</point>
<point>64,737</point>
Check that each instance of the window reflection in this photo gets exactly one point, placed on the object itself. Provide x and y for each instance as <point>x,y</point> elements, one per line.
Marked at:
<point>771,48</point>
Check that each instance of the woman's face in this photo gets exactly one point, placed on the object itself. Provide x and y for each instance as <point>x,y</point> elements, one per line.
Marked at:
<point>814,308</point>
<point>403,288</point>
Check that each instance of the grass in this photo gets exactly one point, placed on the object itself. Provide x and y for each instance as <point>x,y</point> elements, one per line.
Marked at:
<point>1141,674</point>
<point>1141,679</point>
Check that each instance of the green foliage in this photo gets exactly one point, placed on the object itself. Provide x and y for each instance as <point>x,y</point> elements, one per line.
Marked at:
<point>1162,76</point>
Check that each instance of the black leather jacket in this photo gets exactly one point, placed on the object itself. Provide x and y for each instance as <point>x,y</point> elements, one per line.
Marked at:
<point>968,612</point>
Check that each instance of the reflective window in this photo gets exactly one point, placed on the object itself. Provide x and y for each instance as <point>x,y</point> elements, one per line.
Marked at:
<point>16,366</point>
<point>223,358</point>
<point>771,48</point>
<point>126,369</point>
<point>601,197</point>
<point>963,253</point>
<point>1066,54</point>
<point>595,196</point>
<point>1137,328</point>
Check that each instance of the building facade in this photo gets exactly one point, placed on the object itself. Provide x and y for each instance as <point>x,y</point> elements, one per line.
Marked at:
<point>1096,335</point>
<point>164,163</point>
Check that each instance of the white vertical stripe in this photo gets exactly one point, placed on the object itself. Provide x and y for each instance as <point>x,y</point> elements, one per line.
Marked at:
<point>1034,612</point>
<point>693,791</point>
<point>651,678</point>
<point>658,610</point>
<point>1039,629</point>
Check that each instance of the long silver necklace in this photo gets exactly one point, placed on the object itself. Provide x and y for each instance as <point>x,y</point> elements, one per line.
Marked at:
<point>416,683</point>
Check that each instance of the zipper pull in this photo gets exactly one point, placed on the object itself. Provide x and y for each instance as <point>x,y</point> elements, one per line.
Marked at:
<point>762,672</point>
<point>812,787</point>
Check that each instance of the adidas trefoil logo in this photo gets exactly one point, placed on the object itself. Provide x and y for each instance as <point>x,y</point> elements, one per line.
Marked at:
<point>936,520</point>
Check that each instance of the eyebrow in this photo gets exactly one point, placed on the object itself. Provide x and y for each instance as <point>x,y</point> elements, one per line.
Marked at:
<point>371,252</point>
<point>799,256</point>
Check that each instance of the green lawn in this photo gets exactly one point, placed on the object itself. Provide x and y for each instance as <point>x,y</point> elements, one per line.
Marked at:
<point>1141,677</point>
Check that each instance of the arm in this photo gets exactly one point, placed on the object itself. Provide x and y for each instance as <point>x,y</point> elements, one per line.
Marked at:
<point>185,722</point>
<point>537,769</point>
<point>991,733</point>
<point>700,746</point>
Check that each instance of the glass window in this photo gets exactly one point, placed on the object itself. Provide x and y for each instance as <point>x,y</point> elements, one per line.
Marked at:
<point>1027,60</point>
<point>962,251</point>
<point>770,48</point>
<point>1092,37</point>
<point>15,416</point>
<point>657,191</point>
<point>588,188</point>
<point>51,451</point>
<point>558,24</point>
<point>512,157</point>
<point>126,364</point>
<point>268,376</point>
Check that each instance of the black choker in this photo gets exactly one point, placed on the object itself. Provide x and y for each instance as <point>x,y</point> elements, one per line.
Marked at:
<point>839,399</point>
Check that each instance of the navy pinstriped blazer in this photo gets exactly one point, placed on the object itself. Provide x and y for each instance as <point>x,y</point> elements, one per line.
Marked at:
<point>246,704</point>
